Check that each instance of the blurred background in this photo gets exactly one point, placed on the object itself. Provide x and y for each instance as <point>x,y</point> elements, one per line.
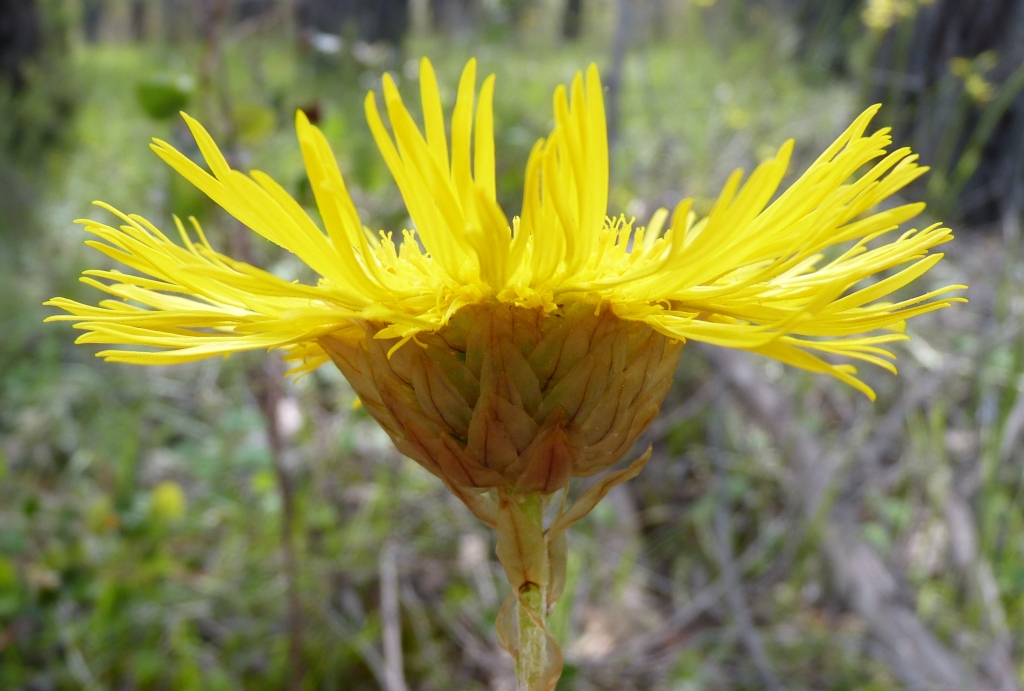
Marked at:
<point>211,526</point>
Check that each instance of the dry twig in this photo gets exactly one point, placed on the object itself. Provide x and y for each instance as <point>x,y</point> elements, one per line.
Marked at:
<point>913,652</point>
<point>390,616</point>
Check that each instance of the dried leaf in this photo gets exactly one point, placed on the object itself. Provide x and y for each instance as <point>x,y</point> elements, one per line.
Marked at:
<point>521,549</point>
<point>558,556</point>
<point>506,626</point>
<point>595,493</point>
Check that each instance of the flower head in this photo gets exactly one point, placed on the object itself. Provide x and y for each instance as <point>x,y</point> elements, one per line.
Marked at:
<point>752,274</point>
<point>881,15</point>
<point>508,357</point>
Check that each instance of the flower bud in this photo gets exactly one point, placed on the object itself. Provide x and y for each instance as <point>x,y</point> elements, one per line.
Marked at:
<point>168,502</point>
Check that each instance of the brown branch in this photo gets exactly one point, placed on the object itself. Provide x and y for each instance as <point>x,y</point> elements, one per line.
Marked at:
<point>647,645</point>
<point>613,78</point>
<point>390,618</point>
<point>348,624</point>
<point>913,652</point>
<point>266,382</point>
<point>734,595</point>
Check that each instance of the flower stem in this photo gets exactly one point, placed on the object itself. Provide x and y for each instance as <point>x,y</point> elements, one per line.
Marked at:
<point>533,653</point>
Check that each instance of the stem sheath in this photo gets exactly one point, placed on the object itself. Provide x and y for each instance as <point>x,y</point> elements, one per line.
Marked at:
<point>533,653</point>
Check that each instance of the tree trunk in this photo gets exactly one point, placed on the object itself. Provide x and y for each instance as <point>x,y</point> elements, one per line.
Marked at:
<point>613,80</point>
<point>972,135</point>
<point>454,15</point>
<point>20,39</point>
<point>369,20</point>
<point>139,20</point>
<point>973,139</point>
<point>92,17</point>
<point>572,20</point>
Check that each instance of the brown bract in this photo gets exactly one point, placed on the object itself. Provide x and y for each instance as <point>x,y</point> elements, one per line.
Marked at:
<point>509,398</point>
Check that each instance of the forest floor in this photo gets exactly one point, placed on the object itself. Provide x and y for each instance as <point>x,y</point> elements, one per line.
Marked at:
<point>786,528</point>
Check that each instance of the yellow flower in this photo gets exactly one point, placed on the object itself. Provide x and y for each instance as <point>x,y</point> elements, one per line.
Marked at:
<point>972,72</point>
<point>168,502</point>
<point>979,89</point>
<point>751,275</point>
<point>960,67</point>
<point>880,15</point>
<point>509,356</point>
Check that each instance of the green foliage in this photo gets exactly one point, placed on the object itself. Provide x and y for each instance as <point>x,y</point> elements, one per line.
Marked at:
<point>164,95</point>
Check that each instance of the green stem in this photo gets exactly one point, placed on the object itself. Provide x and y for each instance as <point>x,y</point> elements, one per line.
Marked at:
<point>533,653</point>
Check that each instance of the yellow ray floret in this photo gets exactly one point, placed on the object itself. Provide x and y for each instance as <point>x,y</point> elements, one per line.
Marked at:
<point>759,272</point>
